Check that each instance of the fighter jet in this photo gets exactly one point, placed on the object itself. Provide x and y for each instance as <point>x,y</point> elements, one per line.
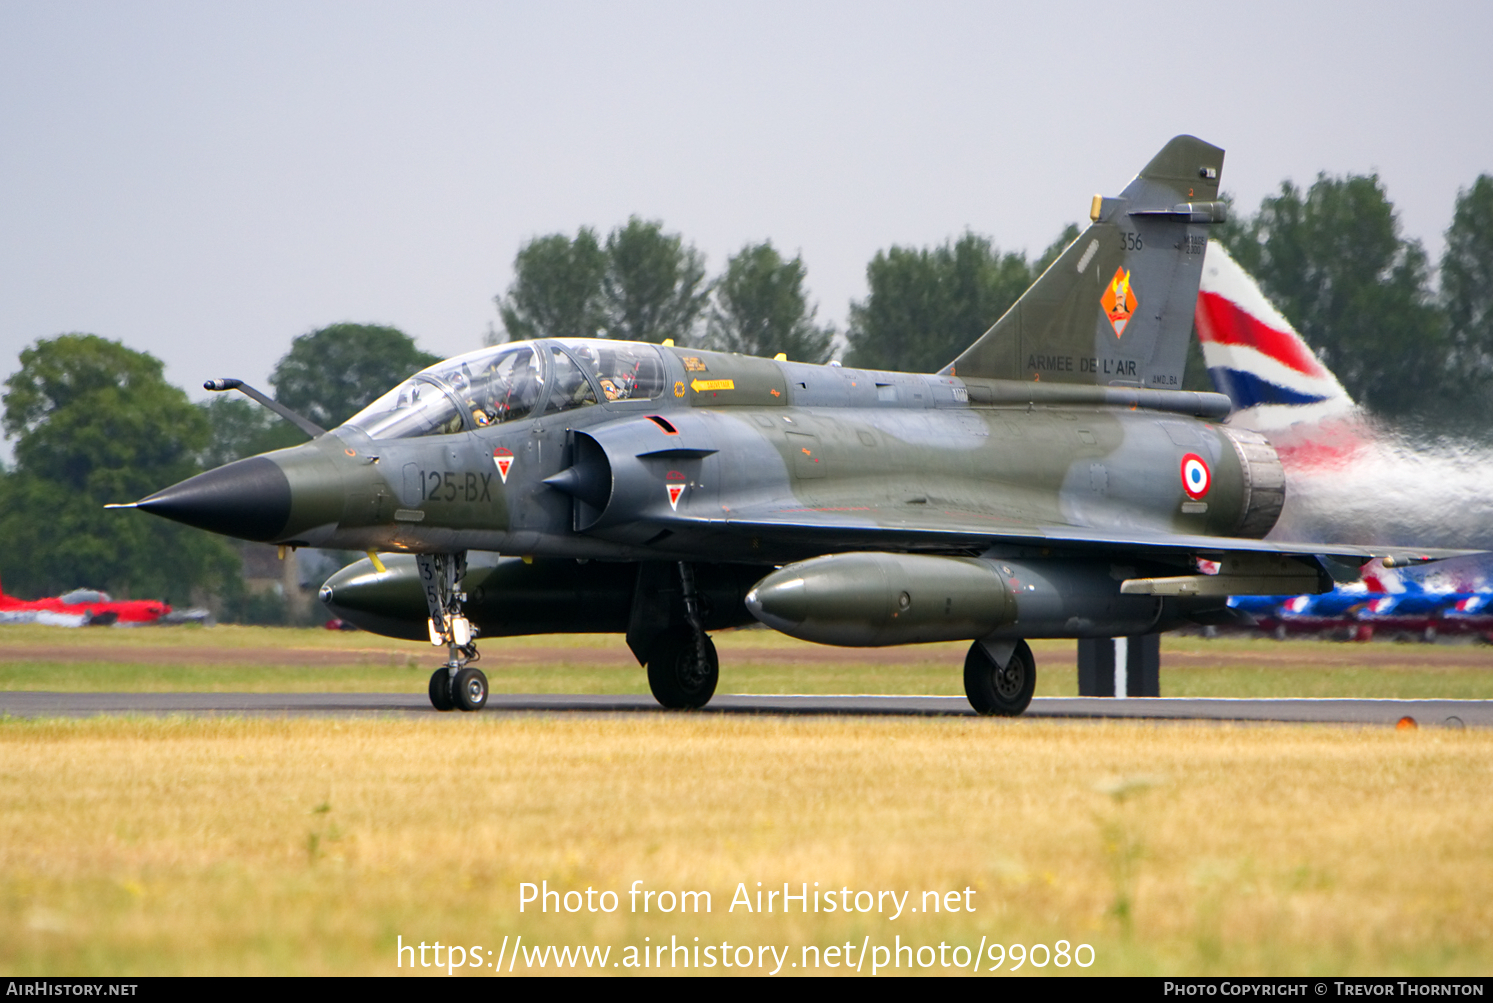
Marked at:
<point>1052,481</point>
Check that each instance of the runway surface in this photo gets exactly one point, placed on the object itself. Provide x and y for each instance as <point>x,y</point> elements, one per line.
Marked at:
<point>1426,713</point>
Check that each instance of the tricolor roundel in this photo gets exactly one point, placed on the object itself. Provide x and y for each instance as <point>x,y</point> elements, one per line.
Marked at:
<point>1196,477</point>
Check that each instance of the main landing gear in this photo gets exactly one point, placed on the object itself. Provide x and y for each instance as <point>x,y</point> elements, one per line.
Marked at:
<point>682,665</point>
<point>681,672</point>
<point>454,685</point>
<point>1000,677</point>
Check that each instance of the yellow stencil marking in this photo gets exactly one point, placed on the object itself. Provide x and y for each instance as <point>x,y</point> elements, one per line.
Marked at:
<point>699,385</point>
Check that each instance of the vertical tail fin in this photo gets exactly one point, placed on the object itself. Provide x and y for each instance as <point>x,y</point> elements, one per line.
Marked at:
<point>1116,307</point>
<point>1255,356</point>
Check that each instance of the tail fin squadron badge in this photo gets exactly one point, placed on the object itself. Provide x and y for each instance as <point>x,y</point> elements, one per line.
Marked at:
<point>1119,301</point>
<point>503,460</point>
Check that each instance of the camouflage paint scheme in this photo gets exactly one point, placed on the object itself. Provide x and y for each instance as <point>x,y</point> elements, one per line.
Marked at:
<point>1050,482</point>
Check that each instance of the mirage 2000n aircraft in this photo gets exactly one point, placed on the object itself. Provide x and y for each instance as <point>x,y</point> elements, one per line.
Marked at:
<point>1052,481</point>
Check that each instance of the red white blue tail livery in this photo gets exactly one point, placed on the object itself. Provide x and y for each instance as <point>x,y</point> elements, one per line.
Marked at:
<point>1256,357</point>
<point>1347,476</point>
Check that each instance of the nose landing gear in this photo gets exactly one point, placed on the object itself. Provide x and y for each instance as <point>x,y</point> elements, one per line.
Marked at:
<point>454,685</point>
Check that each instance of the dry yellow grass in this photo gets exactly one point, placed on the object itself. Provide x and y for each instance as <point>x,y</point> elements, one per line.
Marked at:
<point>306,846</point>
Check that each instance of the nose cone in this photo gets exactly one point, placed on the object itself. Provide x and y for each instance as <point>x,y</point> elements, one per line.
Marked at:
<point>249,499</point>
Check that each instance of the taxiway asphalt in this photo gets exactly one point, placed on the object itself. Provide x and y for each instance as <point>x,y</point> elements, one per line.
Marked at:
<point>1426,713</point>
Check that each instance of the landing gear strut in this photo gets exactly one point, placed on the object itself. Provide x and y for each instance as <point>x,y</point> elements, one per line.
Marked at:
<point>682,667</point>
<point>1000,687</point>
<point>453,685</point>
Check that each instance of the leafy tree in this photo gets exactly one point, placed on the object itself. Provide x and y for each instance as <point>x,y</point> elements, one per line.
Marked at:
<point>331,374</point>
<point>557,289</point>
<point>761,309</point>
<point>654,286</point>
<point>1333,261</point>
<point>1467,289</point>
<point>96,422</point>
<point>99,418</point>
<point>926,306</point>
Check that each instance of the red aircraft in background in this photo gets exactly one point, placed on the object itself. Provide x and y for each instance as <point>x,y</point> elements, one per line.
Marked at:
<point>81,608</point>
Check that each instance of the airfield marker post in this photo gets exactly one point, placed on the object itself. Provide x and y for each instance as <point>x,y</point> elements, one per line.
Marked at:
<point>1120,666</point>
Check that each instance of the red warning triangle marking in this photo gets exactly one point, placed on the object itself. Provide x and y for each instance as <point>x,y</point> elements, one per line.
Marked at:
<point>675,490</point>
<point>503,460</point>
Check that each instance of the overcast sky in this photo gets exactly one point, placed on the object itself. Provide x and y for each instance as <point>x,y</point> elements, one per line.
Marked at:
<point>206,181</point>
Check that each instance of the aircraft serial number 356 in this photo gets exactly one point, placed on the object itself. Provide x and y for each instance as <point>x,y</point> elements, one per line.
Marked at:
<point>448,485</point>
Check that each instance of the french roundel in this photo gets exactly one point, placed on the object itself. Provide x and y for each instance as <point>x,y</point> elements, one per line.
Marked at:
<point>1196,478</point>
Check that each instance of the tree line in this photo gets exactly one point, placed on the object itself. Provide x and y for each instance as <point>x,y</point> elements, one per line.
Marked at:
<point>96,422</point>
<point>642,284</point>
<point>1332,257</point>
<point>1365,298</point>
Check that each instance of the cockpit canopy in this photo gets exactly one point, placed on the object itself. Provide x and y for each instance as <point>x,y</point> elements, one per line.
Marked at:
<point>522,380</point>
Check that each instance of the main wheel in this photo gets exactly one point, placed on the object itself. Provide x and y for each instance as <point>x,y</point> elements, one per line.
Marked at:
<point>676,675</point>
<point>440,689</point>
<point>470,689</point>
<point>993,690</point>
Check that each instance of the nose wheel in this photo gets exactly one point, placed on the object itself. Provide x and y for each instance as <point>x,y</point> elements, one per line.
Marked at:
<point>467,690</point>
<point>440,689</point>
